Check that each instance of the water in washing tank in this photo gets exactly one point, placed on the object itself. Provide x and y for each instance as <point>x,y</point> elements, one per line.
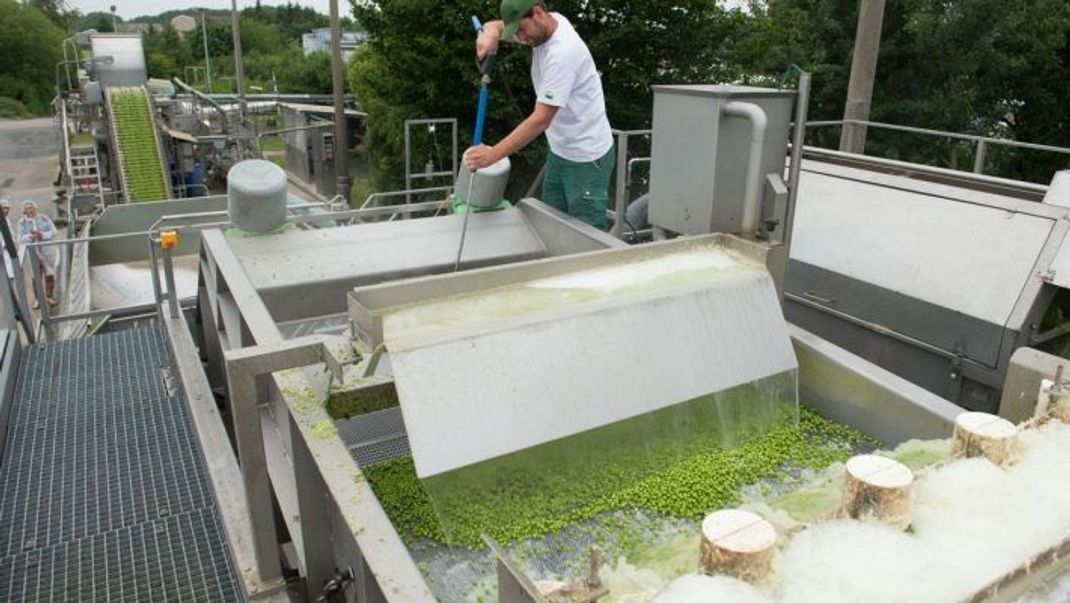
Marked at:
<point>973,523</point>
<point>577,476</point>
<point>547,487</point>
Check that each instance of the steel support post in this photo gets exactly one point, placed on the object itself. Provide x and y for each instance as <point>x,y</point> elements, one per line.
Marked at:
<point>621,184</point>
<point>341,144</point>
<point>314,520</point>
<point>863,73</point>
<point>169,276</point>
<point>243,367</point>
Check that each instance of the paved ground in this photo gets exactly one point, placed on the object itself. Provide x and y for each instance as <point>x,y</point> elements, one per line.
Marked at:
<point>29,161</point>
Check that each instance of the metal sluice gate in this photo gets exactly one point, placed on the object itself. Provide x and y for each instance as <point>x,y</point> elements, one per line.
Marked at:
<point>103,491</point>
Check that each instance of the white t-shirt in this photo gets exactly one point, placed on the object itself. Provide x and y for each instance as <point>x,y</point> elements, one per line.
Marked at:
<point>564,76</point>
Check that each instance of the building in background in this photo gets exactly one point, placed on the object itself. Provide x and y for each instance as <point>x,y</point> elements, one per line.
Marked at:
<point>320,40</point>
<point>184,24</point>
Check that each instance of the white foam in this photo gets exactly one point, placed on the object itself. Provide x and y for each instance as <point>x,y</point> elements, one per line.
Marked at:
<point>614,278</point>
<point>973,522</point>
<point>571,289</point>
<point>695,587</point>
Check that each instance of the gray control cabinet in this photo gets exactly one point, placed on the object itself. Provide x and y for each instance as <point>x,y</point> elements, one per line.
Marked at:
<point>698,165</point>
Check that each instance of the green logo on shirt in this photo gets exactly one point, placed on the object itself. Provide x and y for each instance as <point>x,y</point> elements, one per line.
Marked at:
<point>549,94</point>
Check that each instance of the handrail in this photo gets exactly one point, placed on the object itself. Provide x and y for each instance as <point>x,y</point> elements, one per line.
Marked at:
<point>415,191</point>
<point>982,142</point>
<point>48,317</point>
<point>623,180</point>
<point>943,133</point>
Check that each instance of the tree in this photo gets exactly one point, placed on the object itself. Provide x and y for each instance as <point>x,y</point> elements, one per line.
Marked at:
<point>29,51</point>
<point>55,10</point>
<point>167,53</point>
<point>985,67</point>
<point>419,62</point>
<point>99,21</point>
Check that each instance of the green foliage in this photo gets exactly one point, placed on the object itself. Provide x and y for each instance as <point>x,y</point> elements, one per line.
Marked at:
<point>12,109</point>
<point>29,51</point>
<point>271,49</point>
<point>55,10</point>
<point>978,66</point>
<point>135,133</point>
<point>99,21</point>
<point>983,67</point>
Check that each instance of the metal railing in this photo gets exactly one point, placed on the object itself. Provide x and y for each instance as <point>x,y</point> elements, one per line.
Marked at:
<point>410,175</point>
<point>981,142</point>
<point>624,177</point>
<point>186,224</point>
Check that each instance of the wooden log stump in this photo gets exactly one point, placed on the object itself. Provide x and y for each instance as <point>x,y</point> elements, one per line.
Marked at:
<point>1054,400</point>
<point>738,544</point>
<point>877,487</point>
<point>982,434</point>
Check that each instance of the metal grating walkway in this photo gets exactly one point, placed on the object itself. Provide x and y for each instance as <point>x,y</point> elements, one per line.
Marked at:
<point>103,491</point>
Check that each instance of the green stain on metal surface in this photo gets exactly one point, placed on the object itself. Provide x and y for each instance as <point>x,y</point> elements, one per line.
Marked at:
<point>344,404</point>
<point>325,429</point>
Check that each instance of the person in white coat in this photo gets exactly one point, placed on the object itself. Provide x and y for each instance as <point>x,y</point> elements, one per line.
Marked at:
<point>35,227</point>
<point>5,207</point>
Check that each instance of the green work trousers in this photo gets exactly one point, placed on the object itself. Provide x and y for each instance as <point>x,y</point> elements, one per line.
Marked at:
<point>580,189</point>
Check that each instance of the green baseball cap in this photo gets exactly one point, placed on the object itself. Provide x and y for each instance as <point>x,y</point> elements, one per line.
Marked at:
<point>512,13</point>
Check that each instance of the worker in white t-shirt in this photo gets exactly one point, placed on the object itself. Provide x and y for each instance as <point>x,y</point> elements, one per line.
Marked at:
<point>569,107</point>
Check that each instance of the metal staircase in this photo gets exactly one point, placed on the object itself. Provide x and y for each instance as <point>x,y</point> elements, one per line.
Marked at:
<point>85,172</point>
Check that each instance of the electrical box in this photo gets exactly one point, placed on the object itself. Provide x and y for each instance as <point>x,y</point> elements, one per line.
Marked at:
<point>322,162</point>
<point>699,154</point>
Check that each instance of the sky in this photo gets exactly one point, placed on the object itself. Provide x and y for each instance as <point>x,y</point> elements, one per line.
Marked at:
<point>129,9</point>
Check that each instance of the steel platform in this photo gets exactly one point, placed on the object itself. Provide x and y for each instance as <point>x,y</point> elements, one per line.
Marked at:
<point>103,491</point>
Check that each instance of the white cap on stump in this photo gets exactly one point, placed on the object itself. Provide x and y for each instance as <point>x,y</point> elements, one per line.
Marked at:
<point>983,434</point>
<point>256,196</point>
<point>737,543</point>
<point>878,487</point>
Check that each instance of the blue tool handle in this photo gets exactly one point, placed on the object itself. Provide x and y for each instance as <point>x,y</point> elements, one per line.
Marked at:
<point>481,116</point>
<point>476,25</point>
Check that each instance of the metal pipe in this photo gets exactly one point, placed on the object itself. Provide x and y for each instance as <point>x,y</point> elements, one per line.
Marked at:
<point>183,187</point>
<point>154,269</point>
<point>1003,186</point>
<point>149,308</point>
<point>169,278</point>
<point>406,192</point>
<point>979,160</point>
<point>239,71</point>
<point>204,97</point>
<point>207,57</point>
<point>341,144</point>
<point>260,135</point>
<point>751,196</point>
<point>408,166</point>
<point>802,106</point>
<point>955,135</point>
<point>621,189</point>
<point>631,166</point>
